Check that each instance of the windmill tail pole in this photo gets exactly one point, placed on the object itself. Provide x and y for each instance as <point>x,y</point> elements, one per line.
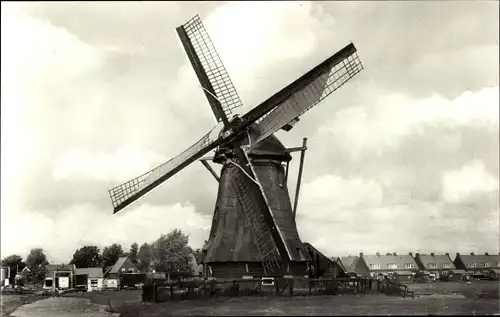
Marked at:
<point>299,179</point>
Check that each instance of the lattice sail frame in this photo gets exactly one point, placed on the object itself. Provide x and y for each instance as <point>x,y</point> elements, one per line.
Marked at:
<point>120,194</point>
<point>334,76</point>
<point>222,85</point>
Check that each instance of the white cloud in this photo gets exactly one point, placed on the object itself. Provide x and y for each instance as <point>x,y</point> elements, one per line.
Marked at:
<point>472,178</point>
<point>31,49</point>
<point>330,195</point>
<point>128,162</point>
<point>346,216</point>
<point>80,225</point>
<point>391,117</point>
<point>35,57</point>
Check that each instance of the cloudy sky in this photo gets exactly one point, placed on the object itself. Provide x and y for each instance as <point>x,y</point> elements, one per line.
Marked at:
<point>403,158</point>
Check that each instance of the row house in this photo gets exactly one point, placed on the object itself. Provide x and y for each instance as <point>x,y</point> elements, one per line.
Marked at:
<point>397,266</point>
<point>438,265</point>
<point>479,265</point>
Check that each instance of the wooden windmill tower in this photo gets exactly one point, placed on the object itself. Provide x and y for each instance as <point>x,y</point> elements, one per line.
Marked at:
<point>253,228</point>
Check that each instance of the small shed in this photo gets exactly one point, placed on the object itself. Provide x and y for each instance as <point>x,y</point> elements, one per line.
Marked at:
<point>93,277</point>
<point>321,265</point>
<point>59,276</point>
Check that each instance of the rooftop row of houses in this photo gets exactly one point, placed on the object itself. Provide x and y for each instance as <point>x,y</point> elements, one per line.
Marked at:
<point>407,264</point>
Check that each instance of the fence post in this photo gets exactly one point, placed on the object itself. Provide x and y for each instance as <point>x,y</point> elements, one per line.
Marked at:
<point>290,287</point>
<point>310,285</point>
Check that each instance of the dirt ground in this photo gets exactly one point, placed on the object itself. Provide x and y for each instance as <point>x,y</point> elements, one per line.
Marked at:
<point>448,298</point>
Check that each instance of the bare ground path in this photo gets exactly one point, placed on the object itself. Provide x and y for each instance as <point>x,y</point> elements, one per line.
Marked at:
<point>62,307</point>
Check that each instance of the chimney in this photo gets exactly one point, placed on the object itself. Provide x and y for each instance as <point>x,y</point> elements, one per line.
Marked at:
<point>361,254</point>
<point>432,253</point>
<point>417,255</point>
<point>458,254</point>
<point>486,253</point>
<point>411,254</point>
<point>447,254</point>
<point>378,253</point>
<point>394,253</point>
<point>472,253</point>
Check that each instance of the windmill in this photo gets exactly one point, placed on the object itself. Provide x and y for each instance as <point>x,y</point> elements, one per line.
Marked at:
<point>253,227</point>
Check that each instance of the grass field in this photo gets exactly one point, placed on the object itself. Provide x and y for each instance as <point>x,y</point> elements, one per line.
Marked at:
<point>448,298</point>
<point>12,302</point>
<point>472,290</point>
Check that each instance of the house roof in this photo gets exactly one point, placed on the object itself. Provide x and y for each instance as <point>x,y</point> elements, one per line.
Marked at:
<point>349,262</point>
<point>310,247</point>
<point>480,259</point>
<point>90,271</point>
<point>50,268</point>
<point>107,269</point>
<point>118,265</point>
<point>385,260</point>
<point>439,260</point>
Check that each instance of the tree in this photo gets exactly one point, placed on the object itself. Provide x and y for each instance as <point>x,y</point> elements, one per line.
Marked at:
<point>15,262</point>
<point>172,251</point>
<point>36,262</point>
<point>133,252</point>
<point>87,256</point>
<point>111,254</point>
<point>144,256</point>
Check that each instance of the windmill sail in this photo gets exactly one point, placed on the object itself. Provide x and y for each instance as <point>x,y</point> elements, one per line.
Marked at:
<point>209,69</point>
<point>306,92</point>
<point>125,194</point>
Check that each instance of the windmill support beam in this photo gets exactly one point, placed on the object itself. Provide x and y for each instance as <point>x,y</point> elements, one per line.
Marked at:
<point>210,169</point>
<point>299,179</point>
<point>295,149</point>
<point>286,172</point>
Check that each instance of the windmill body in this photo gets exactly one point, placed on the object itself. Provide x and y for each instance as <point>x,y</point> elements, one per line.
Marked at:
<point>253,229</point>
<point>231,250</point>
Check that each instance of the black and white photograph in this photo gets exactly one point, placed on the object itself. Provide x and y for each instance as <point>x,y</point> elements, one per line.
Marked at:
<point>181,158</point>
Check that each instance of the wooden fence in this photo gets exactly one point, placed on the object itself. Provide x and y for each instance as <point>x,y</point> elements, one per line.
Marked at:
<point>159,291</point>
